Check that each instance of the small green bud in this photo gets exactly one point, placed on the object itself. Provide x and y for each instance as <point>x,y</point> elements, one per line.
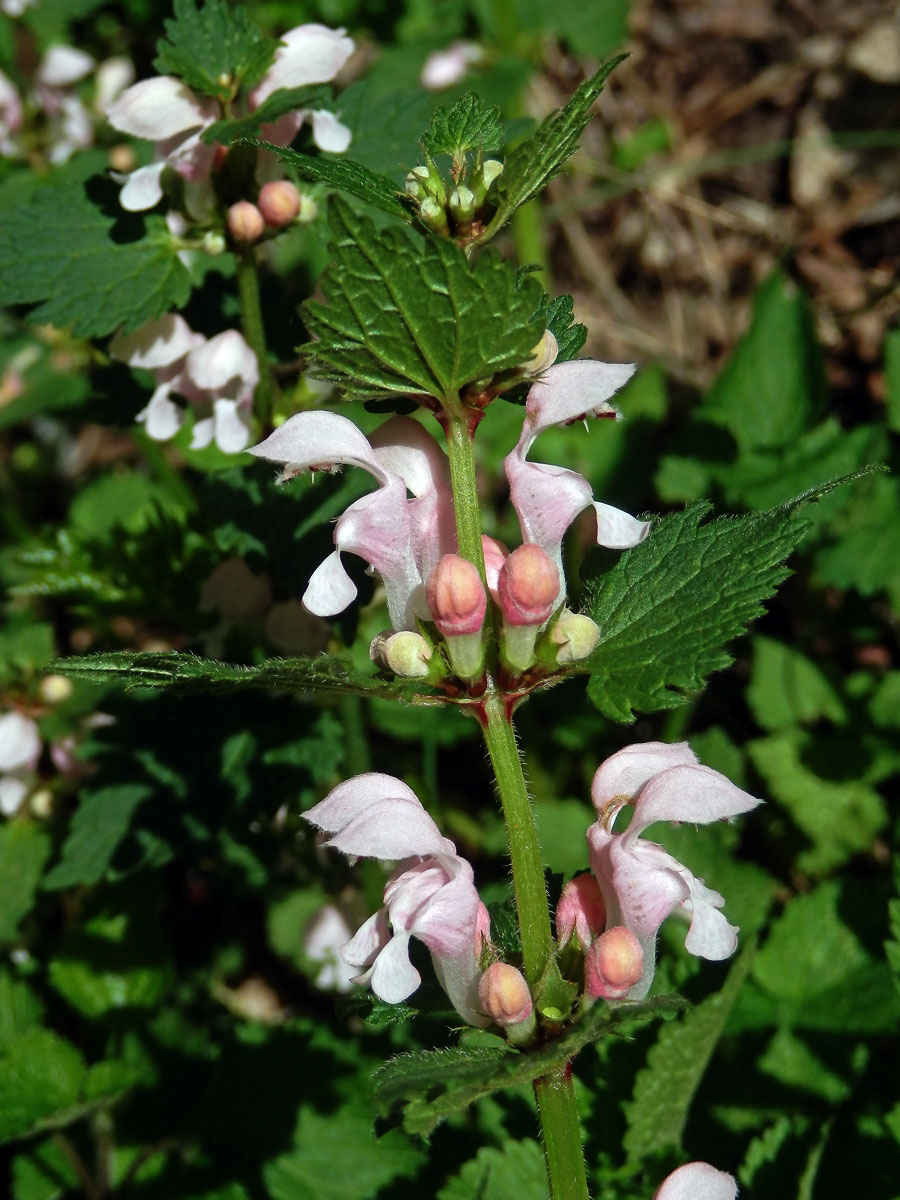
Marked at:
<point>434,215</point>
<point>462,204</point>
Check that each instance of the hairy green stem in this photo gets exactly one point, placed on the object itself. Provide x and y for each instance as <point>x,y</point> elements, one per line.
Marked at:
<point>562,1135</point>
<point>461,451</point>
<point>521,830</point>
<point>255,333</point>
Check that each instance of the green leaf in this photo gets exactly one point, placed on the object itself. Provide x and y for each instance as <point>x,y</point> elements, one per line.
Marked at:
<point>342,175</point>
<point>892,945</point>
<point>101,821</point>
<point>817,974</point>
<point>188,673</point>
<point>72,251</point>
<point>467,124</point>
<point>214,49</point>
<point>407,315</point>
<point>557,315</point>
<point>772,388</point>
<point>41,1081</point>
<point>866,554</point>
<point>24,848</point>
<point>42,1172</point>
<point>517,1172</point>
<point>285,100</point>
<point>668,607</point>
<point>336,1158</point>
<point>432,1084</point>
<point>536,161</point>
<point>892,378</point>
<point>114,962</point>
<point>787,688</point>
<point>676,1064</point>
<point>45,1084</point>
<point>840,817</point>
<point>790,1060</point>
<point>20,1010</point>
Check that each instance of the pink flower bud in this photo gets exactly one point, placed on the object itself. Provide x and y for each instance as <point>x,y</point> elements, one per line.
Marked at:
<point>528,586</point>
<point>279,202</point>
<point>456,596</point>
<point>504,995</point>
<point>613,964</point>
<point>495,555</point>
<point>580,910</point>
<point>245,221</point>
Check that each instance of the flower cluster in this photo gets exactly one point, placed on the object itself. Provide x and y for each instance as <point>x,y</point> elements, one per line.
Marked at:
<point>635,883</point>
<point>166,112</point>
<point>405,530</point>
<point>431,895</point>
<point>217,377</point>
<point>52,111</point>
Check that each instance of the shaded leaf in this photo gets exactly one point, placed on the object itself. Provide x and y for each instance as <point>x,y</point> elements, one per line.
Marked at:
<point>432,1084</point>
<point>24,848</point>
<point>71,251</point>
<point>676,1064</point>
<point>100,822</point>
<point>187,672</point>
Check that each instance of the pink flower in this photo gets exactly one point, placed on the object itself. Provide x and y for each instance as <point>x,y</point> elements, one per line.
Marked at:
<point>697,1181</point>
<point>165,111</point>
<point>400,538</point>
<point>443,68</point>
<point>10,117</point>
<point>430,896</point>
<point>220,373</point>
<point>641,882</point>
<point>547,499</point>
<point>326,933</point>
<point>20,749</point>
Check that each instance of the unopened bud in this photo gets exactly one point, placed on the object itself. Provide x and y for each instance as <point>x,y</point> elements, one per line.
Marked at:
<point>495,555</point>
<point>55,689</point>
<point>482,178</point>
<point>613,964</point>
<point>543,355</point>
<point>213,242</point>
<point>279,202</point>
<point>528,586</point>
<point>434,215</point>
<point>458,603</point>
<point>580,911</point>
<point>309,210</point>
<point>576,635</point>
<point>416,181</point>
<point>404,653</point>
<point>122,158</point>
<point>456,596</point>
<point>462,204</point>
<point>504,995</point>
<point>245,222</point>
